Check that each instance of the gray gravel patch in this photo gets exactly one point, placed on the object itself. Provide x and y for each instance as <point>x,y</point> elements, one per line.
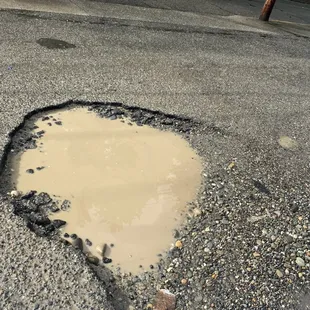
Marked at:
<point>30,281</point>
<point>245,242</point>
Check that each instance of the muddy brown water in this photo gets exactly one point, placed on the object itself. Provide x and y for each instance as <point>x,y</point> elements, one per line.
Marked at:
<point>128,184</point>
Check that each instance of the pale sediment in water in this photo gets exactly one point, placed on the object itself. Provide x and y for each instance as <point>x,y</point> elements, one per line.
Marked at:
<point>127,184</point>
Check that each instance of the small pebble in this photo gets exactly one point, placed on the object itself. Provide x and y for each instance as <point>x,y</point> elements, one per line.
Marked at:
<point>41,132</point>
<point>214,275</point>
<point>58,223</point>
<point>31,171</point>
<point>197,212</point>
<point>231,165</point>
<point>279,273</point>
<point>73,236</point>
<point>59,123</point>
<point>92,259</point>
<point>179,244</point>
<point>66,235</point>
<point>107,260</point>
<point>300,262</point>
<point>183,281</point>
<point>88,242</point>
<point>78,244</point>
<point>176,234</point>
<point>15,193</point>
<point>288,143</point>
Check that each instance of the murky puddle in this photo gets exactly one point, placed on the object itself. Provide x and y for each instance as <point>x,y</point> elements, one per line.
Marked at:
<point>127,184</point>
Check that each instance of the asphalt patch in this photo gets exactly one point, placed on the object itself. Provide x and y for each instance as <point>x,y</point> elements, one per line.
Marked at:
<point>54,43</point>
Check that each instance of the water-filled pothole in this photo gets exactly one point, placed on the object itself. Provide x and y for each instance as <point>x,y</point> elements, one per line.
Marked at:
<point>127,184</point>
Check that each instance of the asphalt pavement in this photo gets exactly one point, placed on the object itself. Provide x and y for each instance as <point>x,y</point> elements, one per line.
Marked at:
<point>248,79</point>
<point>284,10</point>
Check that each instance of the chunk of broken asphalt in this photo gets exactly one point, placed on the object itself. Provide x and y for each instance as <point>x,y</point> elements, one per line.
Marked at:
<point>58,223</point>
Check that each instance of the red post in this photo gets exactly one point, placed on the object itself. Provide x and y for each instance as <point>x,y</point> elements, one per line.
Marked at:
<point>267,9</point>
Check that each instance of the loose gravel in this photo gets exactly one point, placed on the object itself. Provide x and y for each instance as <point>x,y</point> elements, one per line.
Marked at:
<point>244,244</point>
<point>31,282</point>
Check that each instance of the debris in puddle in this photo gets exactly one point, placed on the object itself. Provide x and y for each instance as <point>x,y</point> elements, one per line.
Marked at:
<point>107,260</point>
<point>30,171</point>
<point>73,236</point>
<point>53,207</point>
<point>88,242</point>
<point>41,133</point>
<point>65,205</point>
<point>42,199</point>
<point>59,223</point>
<point>45,118</point>
<point>78,244</point>
<point>40,168</point>
<point>66,235</point>
<point>58,123</point>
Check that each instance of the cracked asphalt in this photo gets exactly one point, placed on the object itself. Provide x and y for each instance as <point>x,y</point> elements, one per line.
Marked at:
<point>252,86</point>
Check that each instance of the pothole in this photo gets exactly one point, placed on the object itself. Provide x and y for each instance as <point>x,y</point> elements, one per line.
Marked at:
<point>120,184</point>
